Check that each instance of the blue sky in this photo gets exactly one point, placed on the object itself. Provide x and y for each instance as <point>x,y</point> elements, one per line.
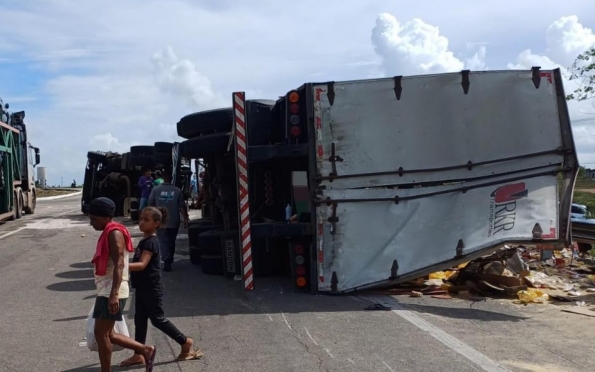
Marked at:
<point>105,76</point>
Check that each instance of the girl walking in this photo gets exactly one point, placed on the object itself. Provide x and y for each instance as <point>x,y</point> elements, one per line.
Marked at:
<point>145,275</point>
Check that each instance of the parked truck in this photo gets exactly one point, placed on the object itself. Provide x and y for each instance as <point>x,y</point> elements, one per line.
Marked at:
<point>359,184</point>
<point>18,159</point>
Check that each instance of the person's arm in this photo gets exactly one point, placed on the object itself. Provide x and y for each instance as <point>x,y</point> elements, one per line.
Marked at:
<point>117,245</point>
<point>151,201</point>
<point>183,209</point>
<point>145,258</point>
<point>141,182</point>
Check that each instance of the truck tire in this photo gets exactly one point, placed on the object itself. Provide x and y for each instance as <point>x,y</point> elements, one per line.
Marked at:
<point>194,231</point>
<point>126,161</point>
<point>142,160</point>
<point>19,204</point>
<point>211,265</point>
<point>205,122</point>
<point>30,209</point>
<point>206,146</point>
<point>164,147</point>
<point>195,255</point>
<point>142,150</point>
<point>200,222</point>
<point>210,242</point>
<point>163,158</point>
<point>96,156</point>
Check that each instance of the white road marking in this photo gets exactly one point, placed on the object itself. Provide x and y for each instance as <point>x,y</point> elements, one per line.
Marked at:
<point>11,232</point>
<point>270,317</point>
<point>311,338</point>
<point>350,361</point>
<point>387,366</point>
<point>328,352</point>
<point>286,322</point>
<point>482,361</point>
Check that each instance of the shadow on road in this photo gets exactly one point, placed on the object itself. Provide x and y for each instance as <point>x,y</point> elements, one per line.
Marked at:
<point>465,313</point>
<point>76,274</point>
<point>73,286</point>
<point>82,265</point>
<point>95,367</point>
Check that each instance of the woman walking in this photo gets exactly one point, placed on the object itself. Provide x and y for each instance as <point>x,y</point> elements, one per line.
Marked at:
<point>145,273</point>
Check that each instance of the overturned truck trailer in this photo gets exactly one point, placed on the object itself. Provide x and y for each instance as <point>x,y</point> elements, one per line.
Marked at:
<point>484,149</point>
<point>408,175</point>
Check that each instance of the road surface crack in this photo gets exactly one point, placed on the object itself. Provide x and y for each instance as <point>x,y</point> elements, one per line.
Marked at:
<point>306,346</point>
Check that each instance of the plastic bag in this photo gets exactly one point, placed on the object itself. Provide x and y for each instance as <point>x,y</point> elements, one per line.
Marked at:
<point>120,327</point>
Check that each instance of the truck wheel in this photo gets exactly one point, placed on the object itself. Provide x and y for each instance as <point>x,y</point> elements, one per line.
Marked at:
<point>205,122</point>
<point>201,222</point>
<point>142,160</point>
<point>19,204</point>
<point>126,161</point>
<point>194,231</point>
<point>206,146</point>
<point>96,156</point>
<point>30,208</point>
<point>195,255</point>
<point>212,265</point>
<point>164,147</point>
<point>209,242</point>
<point>163,158</point>
<point>142,150</point>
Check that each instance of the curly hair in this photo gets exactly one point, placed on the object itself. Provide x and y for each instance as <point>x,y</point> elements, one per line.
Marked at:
<point>159,214</point>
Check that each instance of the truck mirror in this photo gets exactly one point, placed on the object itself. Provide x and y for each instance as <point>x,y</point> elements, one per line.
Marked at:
<point>37,157</point>
<point>6,106</point>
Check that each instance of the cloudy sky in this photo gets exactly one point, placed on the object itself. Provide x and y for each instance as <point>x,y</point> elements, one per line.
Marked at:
<point>106,75</point>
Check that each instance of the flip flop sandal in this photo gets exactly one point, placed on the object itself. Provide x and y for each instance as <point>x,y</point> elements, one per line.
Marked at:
<point>378,307</point>
<point>192,355</point>
<point>151,360</point>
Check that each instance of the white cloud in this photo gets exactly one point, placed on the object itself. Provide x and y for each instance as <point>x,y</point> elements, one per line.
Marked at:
<point>478,61</point>
<point>107,142</point>
<point>412,48</point>
<point>567,38</point>
<point>182,79</point>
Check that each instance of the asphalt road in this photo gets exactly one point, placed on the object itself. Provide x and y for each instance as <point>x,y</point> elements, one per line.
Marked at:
<point>47,290</point>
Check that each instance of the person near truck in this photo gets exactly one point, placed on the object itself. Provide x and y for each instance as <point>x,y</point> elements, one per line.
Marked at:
<point>171,198</point>
<point>158,178</point>
<point>145,275</point>
<point>145,184</point>
<point>111,278</point>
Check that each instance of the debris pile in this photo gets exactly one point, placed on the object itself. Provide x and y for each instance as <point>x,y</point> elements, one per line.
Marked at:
<point>517,273</point>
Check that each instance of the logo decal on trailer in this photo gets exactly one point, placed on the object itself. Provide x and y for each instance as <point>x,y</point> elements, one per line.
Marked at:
<point>503,207</point>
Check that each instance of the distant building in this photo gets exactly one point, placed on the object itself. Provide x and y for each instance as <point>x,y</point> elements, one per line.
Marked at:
<point>590,173</point>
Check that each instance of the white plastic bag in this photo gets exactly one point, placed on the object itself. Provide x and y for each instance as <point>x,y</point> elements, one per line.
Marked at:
<point>120,327</point>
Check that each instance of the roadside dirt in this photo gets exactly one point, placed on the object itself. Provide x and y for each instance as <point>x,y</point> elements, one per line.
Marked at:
<point>43,193</point>
<point>590,191</point>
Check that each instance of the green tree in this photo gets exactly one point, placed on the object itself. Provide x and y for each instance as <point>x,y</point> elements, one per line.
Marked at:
<point>583,71</point>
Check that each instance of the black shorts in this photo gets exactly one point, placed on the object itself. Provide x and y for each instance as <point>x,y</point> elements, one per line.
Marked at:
<point>101,310</point>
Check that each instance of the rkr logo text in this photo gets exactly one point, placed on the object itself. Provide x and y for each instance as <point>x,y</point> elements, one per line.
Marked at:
<point>503,207</point>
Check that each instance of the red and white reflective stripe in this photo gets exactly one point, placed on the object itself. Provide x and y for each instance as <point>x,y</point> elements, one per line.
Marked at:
<point>244,203</point>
